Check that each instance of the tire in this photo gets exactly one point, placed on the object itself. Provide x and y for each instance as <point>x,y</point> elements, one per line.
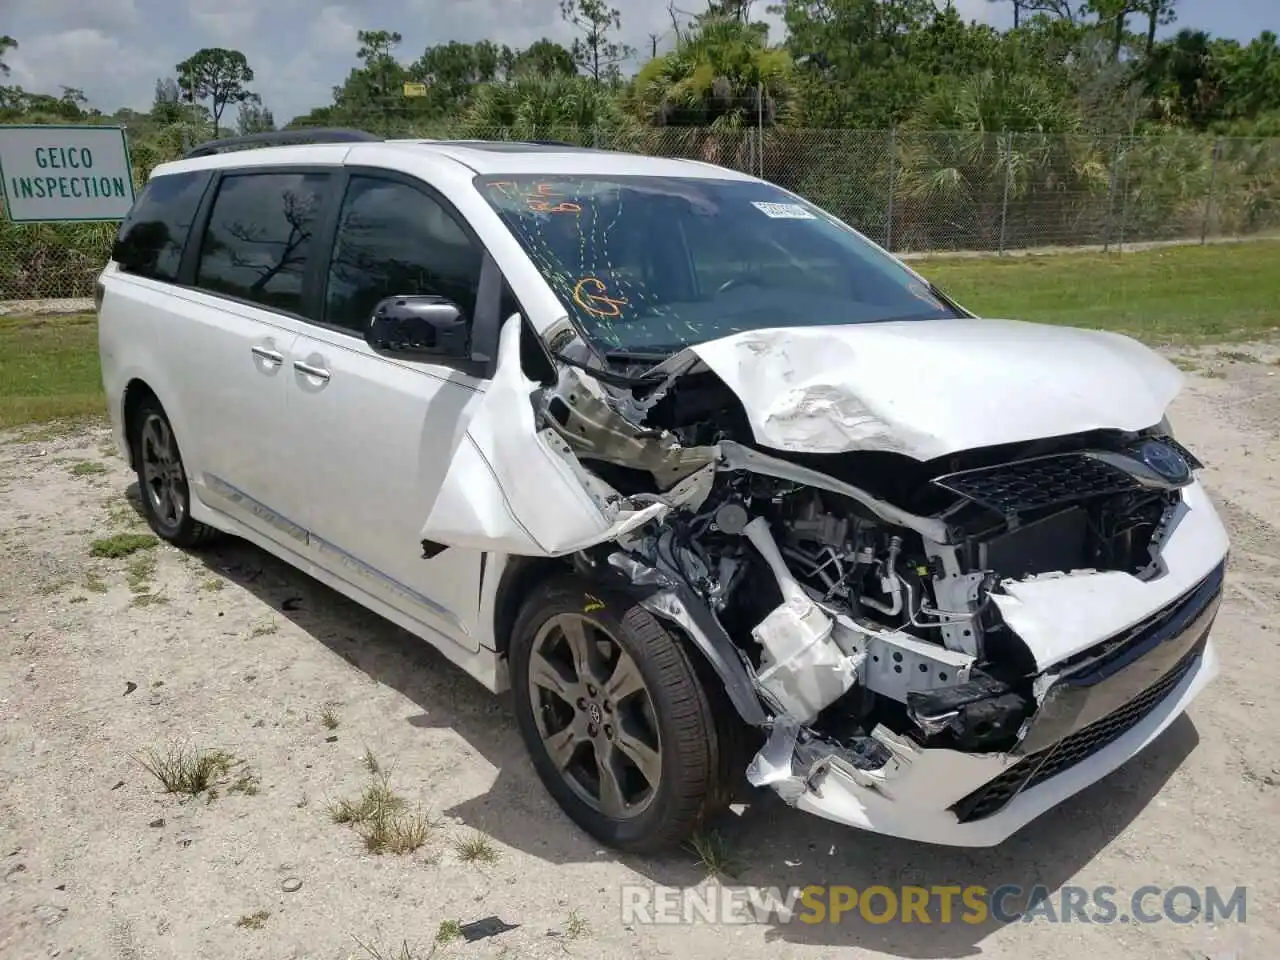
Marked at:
<point>162,477</point>
<point>672,705</point>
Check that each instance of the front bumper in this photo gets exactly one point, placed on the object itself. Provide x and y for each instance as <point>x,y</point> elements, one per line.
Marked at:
<point>916,805</point>
<point>1113,693</point>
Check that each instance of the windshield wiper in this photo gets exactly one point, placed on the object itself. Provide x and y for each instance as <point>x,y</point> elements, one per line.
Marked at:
<point>609,377</point>
<point>644,356</point>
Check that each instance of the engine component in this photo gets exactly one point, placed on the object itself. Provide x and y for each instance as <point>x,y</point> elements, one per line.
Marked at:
<point>1053,543</point>
<point>802,667</point>
<point>731,518</point>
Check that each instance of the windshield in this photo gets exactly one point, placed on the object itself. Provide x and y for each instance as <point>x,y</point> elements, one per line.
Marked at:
<point>654,264</point>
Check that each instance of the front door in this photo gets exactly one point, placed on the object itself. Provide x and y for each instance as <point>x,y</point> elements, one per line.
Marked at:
<point>370,435</point>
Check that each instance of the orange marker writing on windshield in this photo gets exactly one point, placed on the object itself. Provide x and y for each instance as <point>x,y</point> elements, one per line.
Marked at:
<point>591,294</point>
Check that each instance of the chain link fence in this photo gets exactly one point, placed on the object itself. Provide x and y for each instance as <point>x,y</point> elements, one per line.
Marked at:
<point>911,191</point>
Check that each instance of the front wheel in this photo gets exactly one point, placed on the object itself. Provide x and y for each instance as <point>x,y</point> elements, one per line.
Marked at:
<point>614,716</point>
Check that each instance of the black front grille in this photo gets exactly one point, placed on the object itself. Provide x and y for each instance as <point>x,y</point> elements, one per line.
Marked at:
<point>1039,767</point>
<point>1010,488</point>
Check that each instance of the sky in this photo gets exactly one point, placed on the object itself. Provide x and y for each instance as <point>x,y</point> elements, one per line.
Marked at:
<point>115,49</point>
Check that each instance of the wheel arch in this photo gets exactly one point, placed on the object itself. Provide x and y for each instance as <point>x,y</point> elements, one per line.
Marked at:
<point>519,577</point>
<point>709,647</point>
<point>136,392</point>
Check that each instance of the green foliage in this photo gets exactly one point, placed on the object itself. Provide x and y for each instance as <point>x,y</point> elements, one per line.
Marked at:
<point>7,43</point>
<point>925,131</point>
<point>217,75</point>
<point>556,106</point>
<point>724,75</point>
<point>596,50</point>
<point>543,58</point>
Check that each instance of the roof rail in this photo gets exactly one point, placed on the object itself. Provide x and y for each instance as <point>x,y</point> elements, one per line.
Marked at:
<point>281,138</point>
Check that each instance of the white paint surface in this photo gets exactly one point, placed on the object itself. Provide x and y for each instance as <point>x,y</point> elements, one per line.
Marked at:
<point>930,388</point>
<point>65,173</point>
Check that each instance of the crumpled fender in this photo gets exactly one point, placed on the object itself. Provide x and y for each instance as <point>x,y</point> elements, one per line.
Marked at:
<point>513,489</point>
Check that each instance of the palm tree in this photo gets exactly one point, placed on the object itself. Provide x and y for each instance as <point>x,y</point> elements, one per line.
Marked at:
<point>531,106</point>
<point>721,81</point>
<point>1011,144</point>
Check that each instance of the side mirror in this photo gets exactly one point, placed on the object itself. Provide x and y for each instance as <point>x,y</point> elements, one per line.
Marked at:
<point>421,326</point>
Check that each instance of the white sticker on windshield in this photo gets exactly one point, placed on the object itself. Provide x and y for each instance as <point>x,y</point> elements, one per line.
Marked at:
<point>783,211</point>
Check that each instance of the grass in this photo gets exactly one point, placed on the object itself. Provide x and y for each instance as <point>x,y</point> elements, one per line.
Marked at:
<point>374,952</point>
<point>87,468</point>
<point>714,853</point>
<point>576,926</point>
<point>1173,294</point>
<point>139,571</point>
<point>247,783</point>
<point>254,921</point>
<point>476,848</point>
<point>382,819</point>
<point>122,545</point>
<point>1237,356</point>
<point>329,716</point>
<point>50,368</point>
<point>265,629</point>
<point>449,931</point>
<point>182,769</point>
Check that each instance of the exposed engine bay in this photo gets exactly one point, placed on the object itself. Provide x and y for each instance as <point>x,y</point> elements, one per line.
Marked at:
<point>857,588</point>
<point>927,600</point>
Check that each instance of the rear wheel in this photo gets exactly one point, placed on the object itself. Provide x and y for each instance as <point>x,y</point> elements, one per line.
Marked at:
<point>614,717</point>
<point>162,478</point>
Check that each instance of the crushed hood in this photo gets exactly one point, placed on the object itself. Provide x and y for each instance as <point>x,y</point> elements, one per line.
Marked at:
<point>927,389</point>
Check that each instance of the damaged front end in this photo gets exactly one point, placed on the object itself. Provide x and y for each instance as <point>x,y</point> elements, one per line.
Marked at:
<point>936,649</point>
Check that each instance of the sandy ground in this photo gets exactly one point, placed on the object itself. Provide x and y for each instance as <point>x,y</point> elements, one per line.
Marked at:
<point>230,649</point>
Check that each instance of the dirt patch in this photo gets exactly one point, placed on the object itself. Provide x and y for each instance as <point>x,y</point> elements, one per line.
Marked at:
<point>358,795</point>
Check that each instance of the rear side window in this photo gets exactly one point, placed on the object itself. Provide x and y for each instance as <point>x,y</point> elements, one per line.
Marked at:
<point>260,236</point>
<point>149,243</point>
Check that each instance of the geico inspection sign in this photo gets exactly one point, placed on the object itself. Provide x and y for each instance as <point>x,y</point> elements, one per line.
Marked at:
<point>65,173</point>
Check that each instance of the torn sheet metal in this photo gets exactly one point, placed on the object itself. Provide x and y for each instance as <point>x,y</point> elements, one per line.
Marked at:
<point>926,389</point>
<point>587,418</point>
<point>1058,616</point>
<point>737,457</point>
<point>772,767</point>
<point>912,798</point>
<point>513,489</point>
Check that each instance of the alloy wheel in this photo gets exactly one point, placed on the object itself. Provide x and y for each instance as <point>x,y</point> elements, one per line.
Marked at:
<point>595,716</point>
<point>163,480</point>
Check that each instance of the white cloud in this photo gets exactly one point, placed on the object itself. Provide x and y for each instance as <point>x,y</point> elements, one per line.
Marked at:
<point>110,73</point>
<point>333,30</point>
<point>109,15</point>
<point>228,21</point>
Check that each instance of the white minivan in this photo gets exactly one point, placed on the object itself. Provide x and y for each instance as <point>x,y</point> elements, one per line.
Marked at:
<point>719,488</point>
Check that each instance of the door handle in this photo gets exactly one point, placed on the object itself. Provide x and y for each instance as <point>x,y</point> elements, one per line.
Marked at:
<point>318,372</point>
<point>270,356</point>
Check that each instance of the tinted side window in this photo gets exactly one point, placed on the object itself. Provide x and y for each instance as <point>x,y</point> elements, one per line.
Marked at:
<point>150,240</point>
<point>394,240</point>
<point>259,237</point>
